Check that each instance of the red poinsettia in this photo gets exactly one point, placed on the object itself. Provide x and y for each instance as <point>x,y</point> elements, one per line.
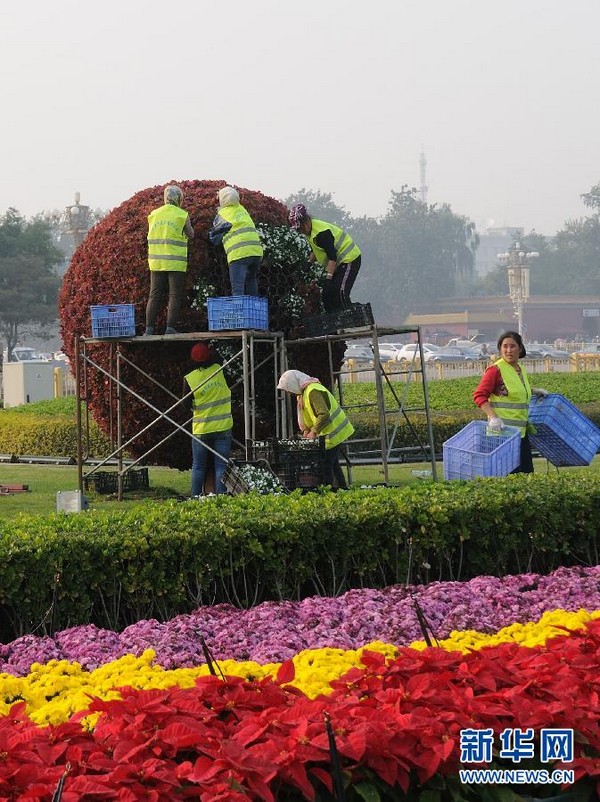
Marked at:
<point>398,722</point>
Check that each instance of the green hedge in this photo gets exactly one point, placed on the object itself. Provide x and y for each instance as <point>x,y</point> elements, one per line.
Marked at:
<point>157,560</point>
<point>46,435</point>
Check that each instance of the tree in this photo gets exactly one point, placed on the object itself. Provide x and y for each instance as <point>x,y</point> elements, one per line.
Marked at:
<point>427,251</point>
<point>322,206</point>
<point>570,263</point>
<point>592,198</point>
<point>28,284</point>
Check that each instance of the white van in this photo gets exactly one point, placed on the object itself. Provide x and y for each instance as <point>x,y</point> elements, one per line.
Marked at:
<point>22,353</point>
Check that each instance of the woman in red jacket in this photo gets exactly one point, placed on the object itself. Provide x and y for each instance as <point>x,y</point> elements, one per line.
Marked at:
<point>504,394</point>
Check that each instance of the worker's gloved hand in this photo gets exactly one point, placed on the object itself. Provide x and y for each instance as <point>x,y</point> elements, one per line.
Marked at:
<point>496,424</point>
<point>539,391</point>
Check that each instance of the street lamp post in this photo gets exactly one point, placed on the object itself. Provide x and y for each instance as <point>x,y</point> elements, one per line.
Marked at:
<point>77,220</point>
<point>517,260</point>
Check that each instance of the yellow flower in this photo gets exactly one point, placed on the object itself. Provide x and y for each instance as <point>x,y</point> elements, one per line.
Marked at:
<point>55,691</point>
<point>551,624</point>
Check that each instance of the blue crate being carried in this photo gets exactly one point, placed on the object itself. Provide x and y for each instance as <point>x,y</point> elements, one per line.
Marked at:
<point>114,320</point>
<point>238,312</point>
<point>477,451</point>
<point>564,436</point>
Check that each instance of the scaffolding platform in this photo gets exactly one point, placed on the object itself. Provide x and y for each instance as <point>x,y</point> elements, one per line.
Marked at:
<point>246,355</point>
<point>358,452</point>
<point>386,453</point>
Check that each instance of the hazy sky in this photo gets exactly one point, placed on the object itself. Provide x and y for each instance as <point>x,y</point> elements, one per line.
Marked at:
<point>112,97</point>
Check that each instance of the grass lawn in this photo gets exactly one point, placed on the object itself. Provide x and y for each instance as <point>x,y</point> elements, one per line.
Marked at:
<point>45,480</point>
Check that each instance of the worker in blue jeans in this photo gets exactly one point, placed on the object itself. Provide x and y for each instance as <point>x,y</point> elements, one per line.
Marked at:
<point>235,230</point>
<point>212,423</point>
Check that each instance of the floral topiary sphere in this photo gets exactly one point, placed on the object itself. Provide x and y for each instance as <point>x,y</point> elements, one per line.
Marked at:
<point>111,267</point>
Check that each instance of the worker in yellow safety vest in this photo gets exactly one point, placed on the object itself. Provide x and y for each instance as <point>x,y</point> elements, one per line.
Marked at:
<point>235,230</point>
<point>212,423</point>
<point>319,415</point>
<point>169,230</point>
<point>335,251</point>
<point>504,394</point>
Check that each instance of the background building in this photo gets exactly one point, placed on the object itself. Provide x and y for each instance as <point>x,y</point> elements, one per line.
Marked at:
<point>545,318</point>
<point>492,242</point>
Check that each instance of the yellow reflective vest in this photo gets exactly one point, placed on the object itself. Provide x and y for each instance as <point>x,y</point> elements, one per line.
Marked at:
<point>345,247</point>
<point>242,239</point>
<point>338,429</point>
<point>212,400</point>
<point>167,244</point>
<point>513,408</point>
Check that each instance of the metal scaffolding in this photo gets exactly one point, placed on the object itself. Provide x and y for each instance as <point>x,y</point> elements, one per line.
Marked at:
<point>246,355</point>
<point>390,414</point>
<point>357,453</point>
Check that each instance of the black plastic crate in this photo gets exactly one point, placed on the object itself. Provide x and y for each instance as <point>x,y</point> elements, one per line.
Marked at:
<point>297,463</point>
<point>355,316</point>
<point>262,449</point>
<point>104,482</point>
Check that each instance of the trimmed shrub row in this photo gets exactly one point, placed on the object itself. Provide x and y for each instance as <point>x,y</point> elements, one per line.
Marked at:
<point>46,435</point>
<point>158,560</point>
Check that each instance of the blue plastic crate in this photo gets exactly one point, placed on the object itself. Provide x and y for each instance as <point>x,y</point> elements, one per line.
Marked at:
<point>116,320</point>
<point>564,436</point>
<point>238,312</point>
<point>475,451</point>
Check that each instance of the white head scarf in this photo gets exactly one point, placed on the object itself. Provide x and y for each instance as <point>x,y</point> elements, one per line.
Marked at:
<point>228,196</point>
<point>294,381</point>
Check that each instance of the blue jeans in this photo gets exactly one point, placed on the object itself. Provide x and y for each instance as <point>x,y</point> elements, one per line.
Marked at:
<point>243,274</point>
<point>219,442</point>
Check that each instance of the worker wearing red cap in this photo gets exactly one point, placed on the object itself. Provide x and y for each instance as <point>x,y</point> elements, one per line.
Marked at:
<point>212,422</point>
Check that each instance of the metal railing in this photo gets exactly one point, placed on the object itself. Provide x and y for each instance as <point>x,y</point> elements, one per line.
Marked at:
<point>576,363</point>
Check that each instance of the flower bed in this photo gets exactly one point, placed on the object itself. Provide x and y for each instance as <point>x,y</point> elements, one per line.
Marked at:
<point>131,722</point>
<point>396,725</point>
<point>276,631</point>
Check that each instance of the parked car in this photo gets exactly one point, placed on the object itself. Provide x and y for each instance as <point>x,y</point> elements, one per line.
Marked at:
<point>453,354</point>
<point>457,342</point>
<point>556,353</point>
<point>543,350</point>
<point>390,350</point>
<point>22,353</point>
<point>361,353</point>
<point>410,351</point>
<point>588,348</point>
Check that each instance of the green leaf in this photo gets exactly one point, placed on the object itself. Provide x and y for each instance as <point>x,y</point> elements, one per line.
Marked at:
<point>367,791</point>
